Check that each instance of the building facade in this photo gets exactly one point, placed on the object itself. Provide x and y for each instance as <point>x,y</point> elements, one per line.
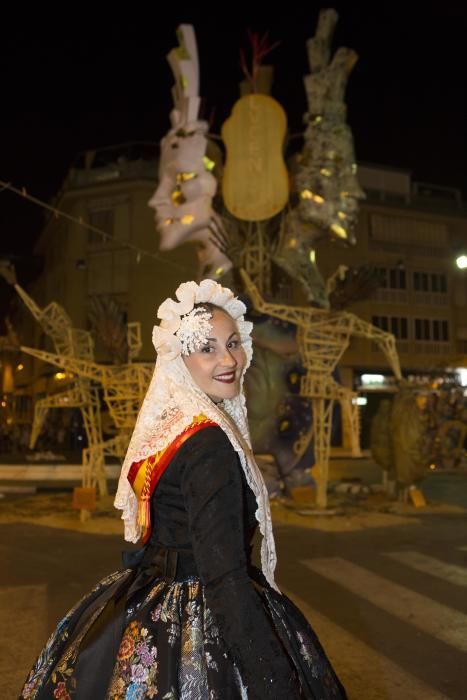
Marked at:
<point>410,232</point>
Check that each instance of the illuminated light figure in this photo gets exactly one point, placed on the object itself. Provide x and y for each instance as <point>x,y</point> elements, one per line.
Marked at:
<point>322,338</point>
<point>72,343</point>
<point>74,350</point>
<point>124,387</point>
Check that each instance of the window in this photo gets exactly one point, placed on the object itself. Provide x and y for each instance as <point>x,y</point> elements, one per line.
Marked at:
<point>396,325</point>
<point>399,327</point>
<point>397,278</point>
<point>430,282</point>
<point>382,277</point>
<point>407,231</point>
<point>392,277</point>
<point>420,281</point>
<point>432,329</point>
<point>108,272</point>
<point>23,405</point>
<point>381,322</point>
<point>102,219</point>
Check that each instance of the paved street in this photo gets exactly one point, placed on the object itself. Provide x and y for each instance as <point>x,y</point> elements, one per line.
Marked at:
<point>386,594</point>
<point>389,604</point>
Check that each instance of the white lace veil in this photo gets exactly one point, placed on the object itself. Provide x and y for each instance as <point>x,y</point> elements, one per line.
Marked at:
<point>173,399</point>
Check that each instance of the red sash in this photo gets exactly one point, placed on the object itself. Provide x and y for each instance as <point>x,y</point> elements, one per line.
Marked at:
<point>146,474</point>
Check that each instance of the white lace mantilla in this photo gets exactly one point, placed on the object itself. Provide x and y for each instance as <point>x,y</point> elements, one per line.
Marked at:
<point>173,399</point>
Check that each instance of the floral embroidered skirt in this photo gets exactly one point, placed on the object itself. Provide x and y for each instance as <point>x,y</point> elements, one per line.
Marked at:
<point>165,645</point>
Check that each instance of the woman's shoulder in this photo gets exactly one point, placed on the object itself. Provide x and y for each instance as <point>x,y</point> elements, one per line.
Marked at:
<point>208,437</point>
<point>197,456</point>
<point>208,461</point>
<point>207,443</point>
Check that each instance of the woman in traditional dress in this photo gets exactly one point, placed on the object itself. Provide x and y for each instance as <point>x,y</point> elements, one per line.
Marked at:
<point>189,616</point>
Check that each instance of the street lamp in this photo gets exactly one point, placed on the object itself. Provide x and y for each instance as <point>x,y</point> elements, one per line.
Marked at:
<point>461,262</point>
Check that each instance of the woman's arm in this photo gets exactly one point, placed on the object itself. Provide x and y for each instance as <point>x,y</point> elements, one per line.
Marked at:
<point>212,488</point>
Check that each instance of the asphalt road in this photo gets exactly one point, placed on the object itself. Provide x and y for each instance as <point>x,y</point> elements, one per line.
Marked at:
<point>388,602</point>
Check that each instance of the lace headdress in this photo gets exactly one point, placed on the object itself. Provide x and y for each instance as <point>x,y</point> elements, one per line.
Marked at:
<point>173,400</point>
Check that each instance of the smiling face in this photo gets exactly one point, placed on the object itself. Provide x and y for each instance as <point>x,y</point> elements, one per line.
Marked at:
<point>217,366</point>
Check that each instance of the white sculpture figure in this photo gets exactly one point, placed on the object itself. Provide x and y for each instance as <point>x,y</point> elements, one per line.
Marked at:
<point>325,175</point>
<point>183,199</point>
<point>325,191</point>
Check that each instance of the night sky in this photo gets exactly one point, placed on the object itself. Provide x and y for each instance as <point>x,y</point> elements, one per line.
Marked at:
<point>76,81</point>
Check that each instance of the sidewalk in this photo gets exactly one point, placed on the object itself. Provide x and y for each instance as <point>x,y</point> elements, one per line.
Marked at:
<point>345,513</point>
<point>61,474</point>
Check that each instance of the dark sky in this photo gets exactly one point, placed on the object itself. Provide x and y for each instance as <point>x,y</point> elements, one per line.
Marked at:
<point>73,81</point>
